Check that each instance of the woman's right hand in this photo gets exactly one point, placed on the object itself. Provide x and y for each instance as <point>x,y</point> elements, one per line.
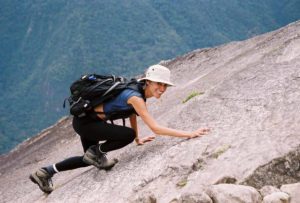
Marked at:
<point>199,132</point>
<point>144,140</point>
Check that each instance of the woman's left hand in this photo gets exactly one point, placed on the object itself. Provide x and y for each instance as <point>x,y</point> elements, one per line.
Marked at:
<point>144,140</point>
<point>199,132</point>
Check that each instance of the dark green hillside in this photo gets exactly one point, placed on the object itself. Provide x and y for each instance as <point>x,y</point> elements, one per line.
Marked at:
<point>208,23</point>
<point>44,45</point>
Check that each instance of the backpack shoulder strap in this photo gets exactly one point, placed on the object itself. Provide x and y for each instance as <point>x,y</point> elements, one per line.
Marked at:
<point>137,86</point>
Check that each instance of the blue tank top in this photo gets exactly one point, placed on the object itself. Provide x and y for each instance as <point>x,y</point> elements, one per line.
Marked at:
<point>119,103</point>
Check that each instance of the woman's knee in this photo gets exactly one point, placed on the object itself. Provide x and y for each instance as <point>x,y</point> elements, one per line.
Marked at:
<point>130,135</point>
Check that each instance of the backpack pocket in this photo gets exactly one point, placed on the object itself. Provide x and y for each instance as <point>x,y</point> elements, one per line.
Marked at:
<point>80,107</point>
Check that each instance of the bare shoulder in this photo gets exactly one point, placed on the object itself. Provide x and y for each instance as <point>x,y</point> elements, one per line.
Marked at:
<point>136,100</point>
<point>140,107</point>
<point>138,104</point>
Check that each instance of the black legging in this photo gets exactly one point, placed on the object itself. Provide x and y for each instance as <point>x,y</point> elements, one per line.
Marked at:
<point>91,131</point>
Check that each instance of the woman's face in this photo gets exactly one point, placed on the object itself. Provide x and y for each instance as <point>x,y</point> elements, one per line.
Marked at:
<point>156,89</point>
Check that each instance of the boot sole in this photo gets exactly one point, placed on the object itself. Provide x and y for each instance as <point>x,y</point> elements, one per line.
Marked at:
<point>36,181</point>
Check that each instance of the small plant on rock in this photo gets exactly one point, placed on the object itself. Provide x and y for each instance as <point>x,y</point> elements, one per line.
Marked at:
<point>192,95</point>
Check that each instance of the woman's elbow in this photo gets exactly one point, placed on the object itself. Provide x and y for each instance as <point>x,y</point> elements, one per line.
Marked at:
<point>156,129</point>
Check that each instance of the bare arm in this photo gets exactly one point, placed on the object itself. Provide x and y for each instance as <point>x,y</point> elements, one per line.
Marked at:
<point>140,107</point>
<point>133,124</point>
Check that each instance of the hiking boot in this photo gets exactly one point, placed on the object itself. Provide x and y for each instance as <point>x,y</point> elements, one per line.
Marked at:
<point>99,160</point>
<point>43,179</point>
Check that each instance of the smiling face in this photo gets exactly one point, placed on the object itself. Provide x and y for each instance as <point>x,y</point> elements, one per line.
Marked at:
<point>155,89</point>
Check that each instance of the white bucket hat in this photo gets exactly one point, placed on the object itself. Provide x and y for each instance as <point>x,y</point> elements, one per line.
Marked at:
<point>158,73</point>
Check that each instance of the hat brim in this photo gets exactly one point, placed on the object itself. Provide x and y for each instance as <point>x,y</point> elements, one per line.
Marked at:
<point>161,81</point>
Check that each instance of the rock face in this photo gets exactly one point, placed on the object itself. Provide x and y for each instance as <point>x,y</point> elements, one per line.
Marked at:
<point>293,190</point>
<point>233,193</point>
<point>246,92</point>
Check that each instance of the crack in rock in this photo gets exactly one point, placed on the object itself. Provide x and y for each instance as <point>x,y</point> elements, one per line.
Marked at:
<point>279,171</point>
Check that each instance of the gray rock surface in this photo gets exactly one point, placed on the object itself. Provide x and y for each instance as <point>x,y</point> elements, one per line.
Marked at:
<point>268,189</point>
<point>281,170</point>
<point>230,193</point>
<point>248,94</point>
<point>277,197</point>
<point>293,190</point>
<point>193,198</point>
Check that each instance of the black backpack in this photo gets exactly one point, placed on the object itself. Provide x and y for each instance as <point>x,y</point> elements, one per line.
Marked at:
<point>91,90</point>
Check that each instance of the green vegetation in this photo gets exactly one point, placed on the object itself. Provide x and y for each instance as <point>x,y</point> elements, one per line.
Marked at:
<point>45,45</point>
<point>182,182</point>
<point>219,151</point>
<point>192,95</point>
